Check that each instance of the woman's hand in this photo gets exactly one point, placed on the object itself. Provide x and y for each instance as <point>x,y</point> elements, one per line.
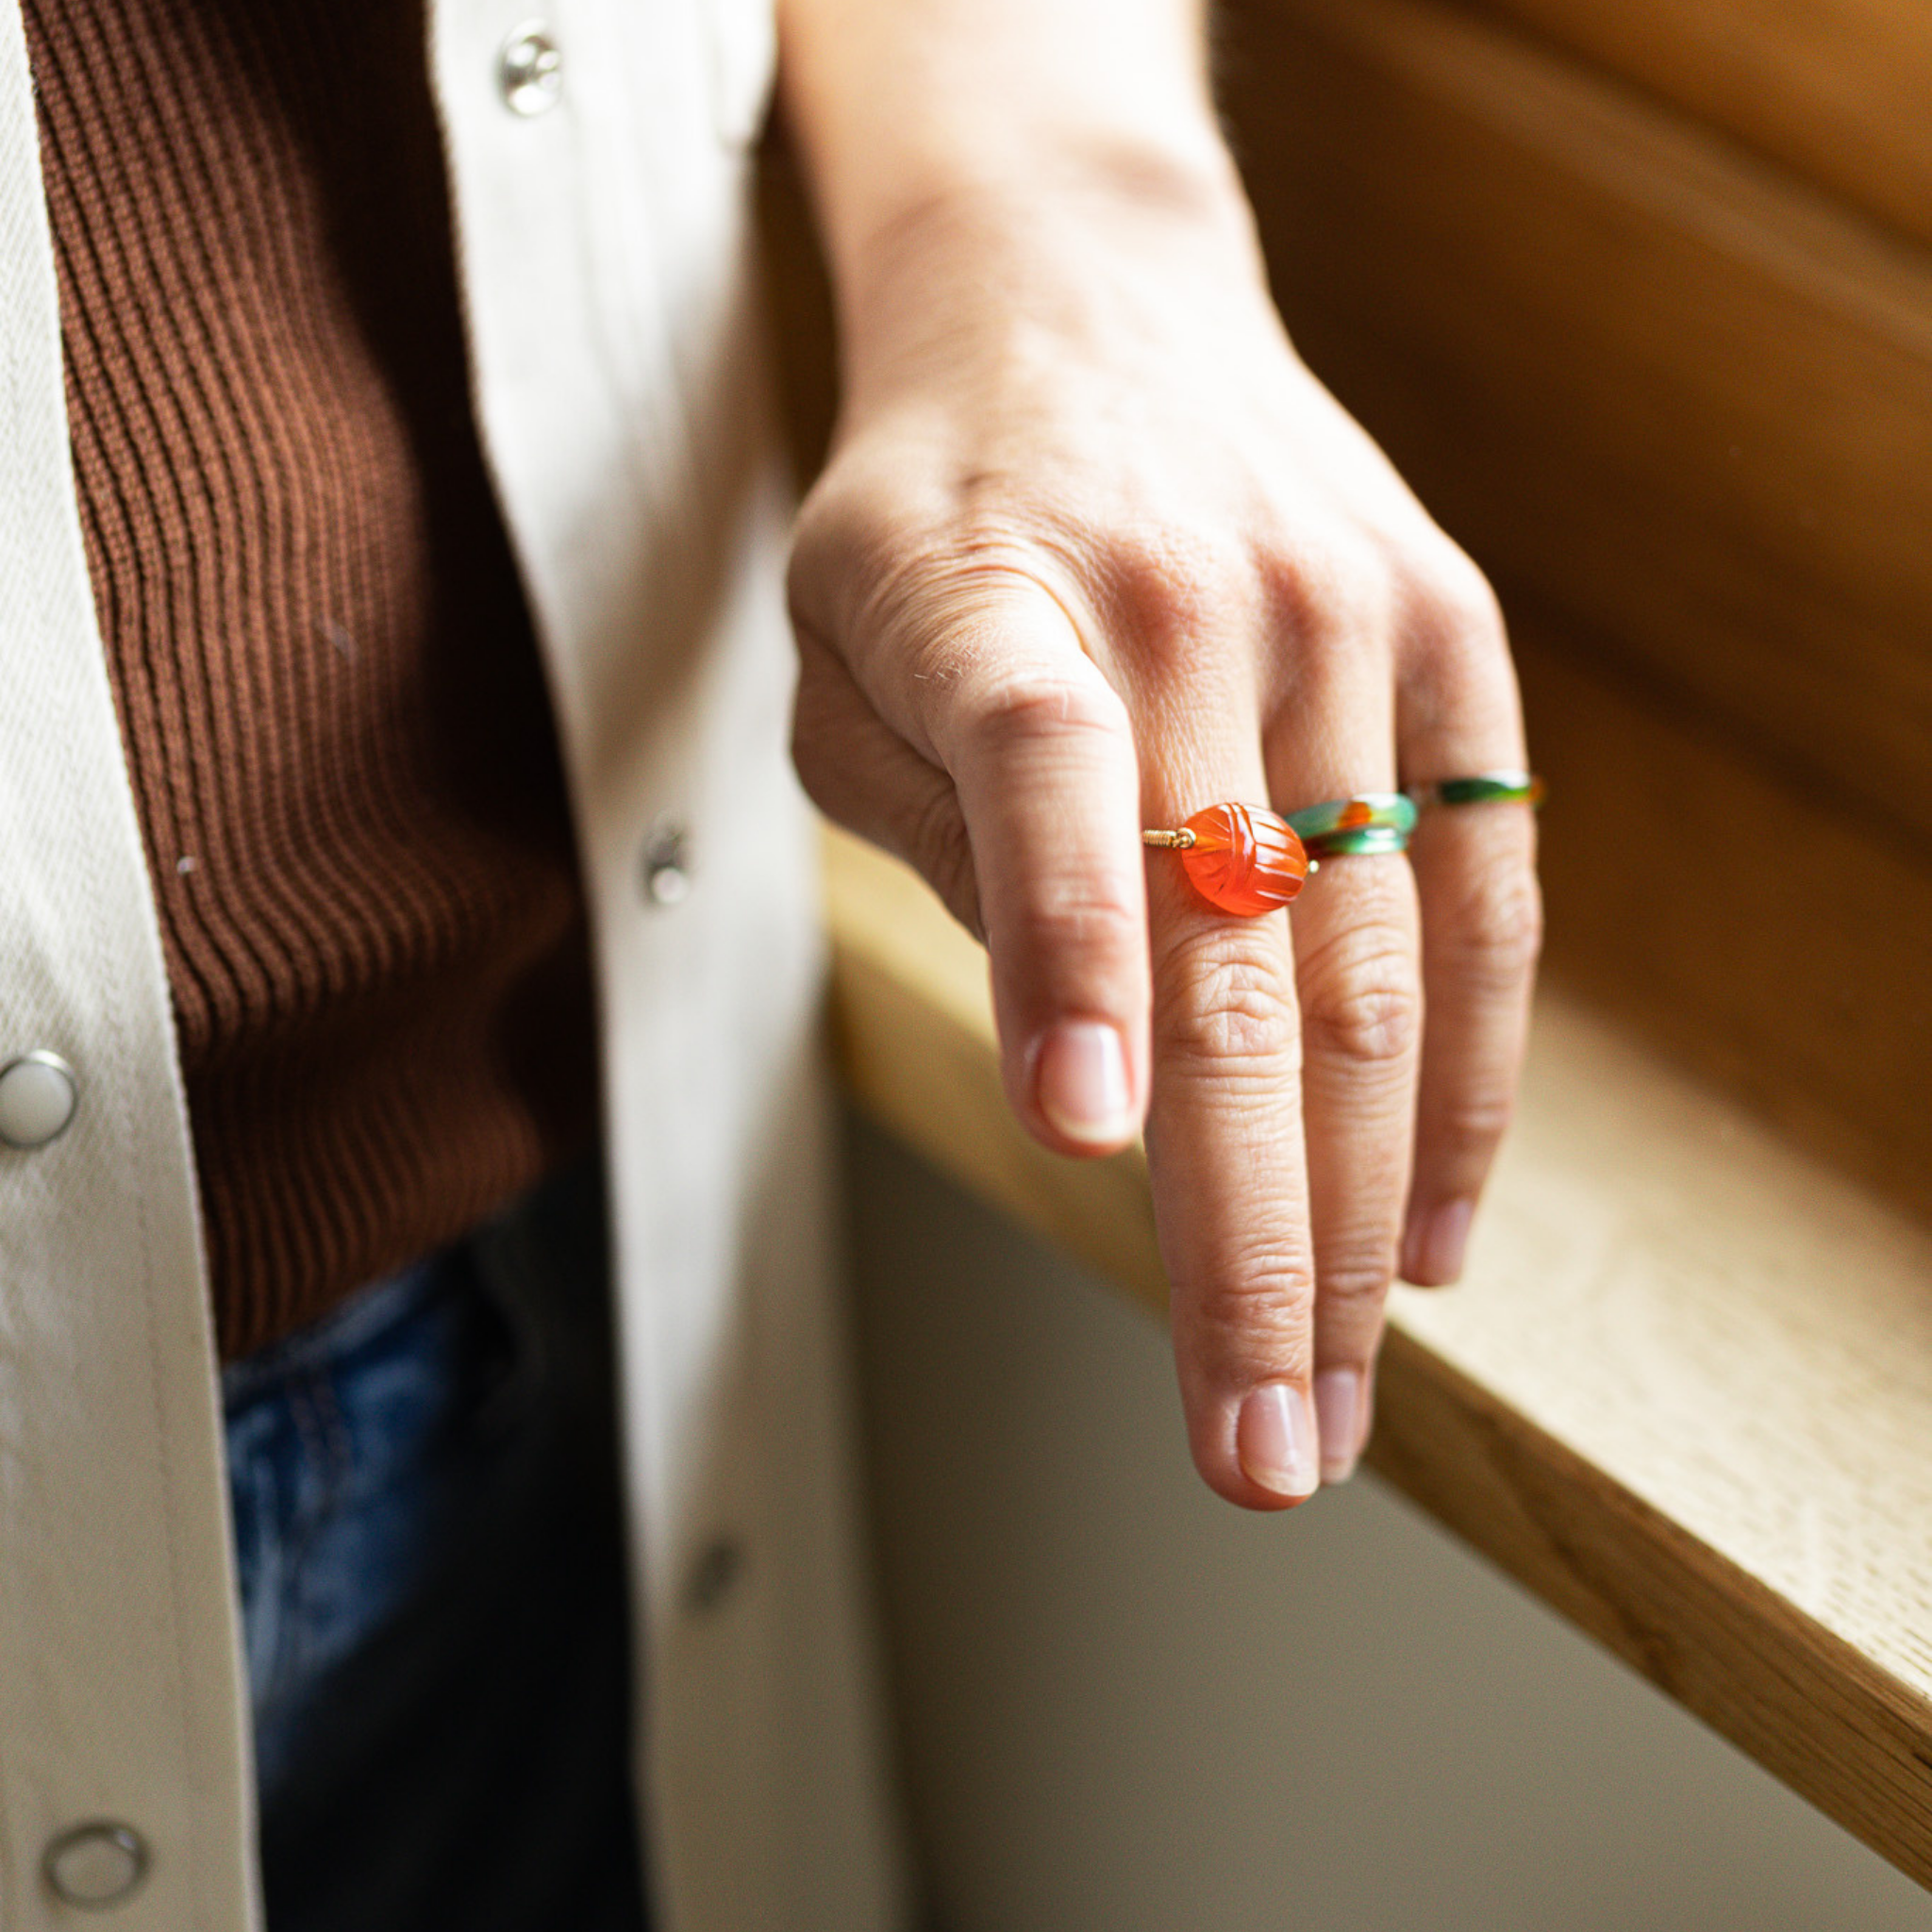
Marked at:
<point>1095,551</point>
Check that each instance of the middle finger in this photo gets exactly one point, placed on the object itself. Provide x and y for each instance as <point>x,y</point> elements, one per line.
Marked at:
<point>1224,1139</point>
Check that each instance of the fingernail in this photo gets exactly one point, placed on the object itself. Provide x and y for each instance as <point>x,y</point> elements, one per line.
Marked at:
<point>1276,1442</point>
<point>1433,1253</point>
<point>1082,1083</point>
<point>1339,1410</point>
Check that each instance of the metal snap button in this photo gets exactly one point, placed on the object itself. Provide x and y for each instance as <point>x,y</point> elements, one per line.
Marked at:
<point>667,864</point>
<point>38,1096</point>
<point>95,1865</point>
<point>530,69</point>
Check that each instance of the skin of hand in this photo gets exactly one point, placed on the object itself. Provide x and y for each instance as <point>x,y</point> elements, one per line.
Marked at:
<point>1094,550</point>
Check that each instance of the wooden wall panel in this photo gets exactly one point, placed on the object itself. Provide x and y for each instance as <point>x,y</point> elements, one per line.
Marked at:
<point>1841,89</point>
<point>1677,399</point>
<point>1783,952</point>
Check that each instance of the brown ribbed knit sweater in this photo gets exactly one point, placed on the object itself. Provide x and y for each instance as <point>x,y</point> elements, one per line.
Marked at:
<point>332,708</point>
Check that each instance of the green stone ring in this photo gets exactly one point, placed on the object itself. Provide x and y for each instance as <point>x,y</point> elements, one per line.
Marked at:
<point>1343,827</point>
<point>1482,787</point>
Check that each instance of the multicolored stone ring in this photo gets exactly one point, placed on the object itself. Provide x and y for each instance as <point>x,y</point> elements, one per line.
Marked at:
<point>1249,861</point>
<point>1241,857</point>
<point>1481,788</point>
<point>1368,823</point>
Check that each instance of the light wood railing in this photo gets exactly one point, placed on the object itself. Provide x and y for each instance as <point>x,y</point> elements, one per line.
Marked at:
<point>1684,1393</point>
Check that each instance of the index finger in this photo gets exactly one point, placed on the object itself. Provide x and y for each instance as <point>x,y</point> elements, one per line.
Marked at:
<point>1039,750</point>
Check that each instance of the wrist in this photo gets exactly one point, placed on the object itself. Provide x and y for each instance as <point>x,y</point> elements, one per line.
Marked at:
<point>1074,247</point>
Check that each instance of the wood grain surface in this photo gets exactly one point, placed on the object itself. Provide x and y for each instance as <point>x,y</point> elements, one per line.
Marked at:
<point>1839,89</point>
<point>1774,945</point>
<point>1686,1393</point>
<point>1680,398</point>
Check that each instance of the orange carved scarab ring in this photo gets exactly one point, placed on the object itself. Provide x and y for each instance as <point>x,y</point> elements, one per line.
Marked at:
<point>1241,858</point>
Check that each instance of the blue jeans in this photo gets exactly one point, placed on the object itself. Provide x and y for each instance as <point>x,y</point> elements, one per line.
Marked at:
<point>429,1538</point>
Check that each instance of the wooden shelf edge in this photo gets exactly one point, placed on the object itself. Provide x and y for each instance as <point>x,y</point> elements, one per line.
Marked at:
<point>1812,1709</point>
<point>1835,1719</point>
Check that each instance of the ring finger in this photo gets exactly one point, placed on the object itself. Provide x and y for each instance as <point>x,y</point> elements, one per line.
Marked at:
<point>1357,974</point>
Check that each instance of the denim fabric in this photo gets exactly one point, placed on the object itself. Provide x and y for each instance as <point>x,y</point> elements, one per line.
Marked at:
<point>428,1534</point>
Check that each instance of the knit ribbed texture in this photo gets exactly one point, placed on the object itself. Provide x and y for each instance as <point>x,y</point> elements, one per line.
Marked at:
<point>331,702</point>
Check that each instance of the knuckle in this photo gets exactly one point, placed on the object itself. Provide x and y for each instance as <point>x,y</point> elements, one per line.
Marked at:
<point>1495,930</point>
<point>931,592</point>
<point>1371,1023</point>
<point>1008,711</point>
<point>1472,1123</point>
<point>1355,1283</point>
<point>1230,1010</point>
<point>1455,661</point>
<point>1068,915</point>
<point>1258,1307</point>
<point>1335,591</point>
<point>1455,595</point>
<point>1361,1000</point>
<point>1178,583</point>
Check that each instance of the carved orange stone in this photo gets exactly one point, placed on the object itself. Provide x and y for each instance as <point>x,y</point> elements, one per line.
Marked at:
<point>1244,860</point>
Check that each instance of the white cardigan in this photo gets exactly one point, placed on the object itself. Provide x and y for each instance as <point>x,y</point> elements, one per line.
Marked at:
<point>606,270</point>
